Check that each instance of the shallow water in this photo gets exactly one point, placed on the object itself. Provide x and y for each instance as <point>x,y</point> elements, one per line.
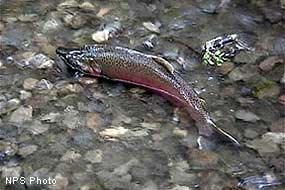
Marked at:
<point>98,134</point>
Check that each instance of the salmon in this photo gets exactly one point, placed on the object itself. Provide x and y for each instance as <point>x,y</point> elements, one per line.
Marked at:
<point>144,70</point>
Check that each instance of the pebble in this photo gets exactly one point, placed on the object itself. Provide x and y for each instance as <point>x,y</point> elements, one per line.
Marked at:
<point>75,21</point>
<point>1,64</point>
<point>27,150</point>
<point>61,182</point>
<point>51,25</point>
<point>70,156</point>
<point>151,126</point>
<point>67,88</point>
<point>25,94</point>
<point>151,27</point>
<point>241,74</point>
<point>277,138</point>
<point>94,156</point>
<point>93,121</point>
<point>103,11</point>
<point>71,119</point>
<point>202,158</point>
<point>278,125</point>
<point>246,116</point>
<point>250,133</point>
<point>44,84</point>
<point>11,171</point>
<point>86,5</point>
<point>50,117</point>
<point>39,61</point>
<point>8,106</point>
<point>226,68</point>
<point>100,36</point>
<point>28,17</point>
<point>67,4</point>
<point>114,132</point>
<point>266,88</point>
<point>36,127</point>
<point>179,187</point>
<point>263,146</point>
<point>30,83</point>
<point>10,149</point>
<point>180,132</point>
<point>269,63</point>
<point>22,114</point>
<point>281,99</point>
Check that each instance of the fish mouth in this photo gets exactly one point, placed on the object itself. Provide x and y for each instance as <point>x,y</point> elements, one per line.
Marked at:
<point>67,65</point>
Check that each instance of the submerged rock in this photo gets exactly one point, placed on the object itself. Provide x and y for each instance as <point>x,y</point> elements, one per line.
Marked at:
<point>94,156</point>
<point>22,114</point>
<point>27,150</point>
<point>8,106</point>
<point>246,116</point>
<point>39,61</point>
<point>30,83</point>
<point>11,171</point>
<point>151,27</point>
<point>70,156</point>
<point>266,88</point>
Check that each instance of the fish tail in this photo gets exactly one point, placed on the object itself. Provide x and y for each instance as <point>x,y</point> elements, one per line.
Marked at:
<point>223,132</point>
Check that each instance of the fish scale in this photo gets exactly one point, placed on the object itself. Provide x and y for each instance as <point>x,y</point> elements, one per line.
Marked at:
<point>149,71</point>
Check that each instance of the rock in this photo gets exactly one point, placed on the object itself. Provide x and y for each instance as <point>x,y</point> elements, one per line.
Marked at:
<point>179,187</point>
<point>22,114</point>
<point>180,132</point>
<point>246,116</point>
<point>250,133</point>
<point>2,26</point>
<point>103,11</point>
<point>228,91</point>
<point>202,158</point>
<point>8,106</point>
<point>242,74</point>
<point>269,63</point>
<point>75,21</point>
<point>39,61</point>
<point>282,80</point>
<point>28,17</point>
<point>87,5</point>
<point>151,27</point>
<point>36,127</point>
<point>282,4</point>
<point>281,99</point>
<point>30,83</point>
<point>27,150</point>
<point>61,182</point>
<point>277,138</point>
<point>67,88</point>
<point>100,36</point>
<point>70,156</point>
<point>151,126</point>
<point>114,132</point>
<point>266,88</point>
<point>51,25</point>
<point>272,13</point>
<point>8,148</point>
<point>278,126</point>
<point>44,84</point>
<point>226,68</point>
<point>25,95</point>
<point>263,146</point>
<point>94,156</point>
<point>11,171</point>
<point>71,118</point>
<point>50,117</point>
<point>94,121</point>
<point>67,5</point>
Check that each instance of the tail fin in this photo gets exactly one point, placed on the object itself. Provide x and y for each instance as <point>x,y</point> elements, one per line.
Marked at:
<point>223,132</point>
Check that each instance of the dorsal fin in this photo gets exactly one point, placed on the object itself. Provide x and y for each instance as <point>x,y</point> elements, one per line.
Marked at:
<point>168,66</point>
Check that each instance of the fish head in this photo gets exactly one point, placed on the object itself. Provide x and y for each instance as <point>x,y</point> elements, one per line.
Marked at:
<point>76,60</point>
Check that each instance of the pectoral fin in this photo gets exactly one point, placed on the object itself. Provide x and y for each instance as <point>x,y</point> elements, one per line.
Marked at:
<point>164,63</point>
